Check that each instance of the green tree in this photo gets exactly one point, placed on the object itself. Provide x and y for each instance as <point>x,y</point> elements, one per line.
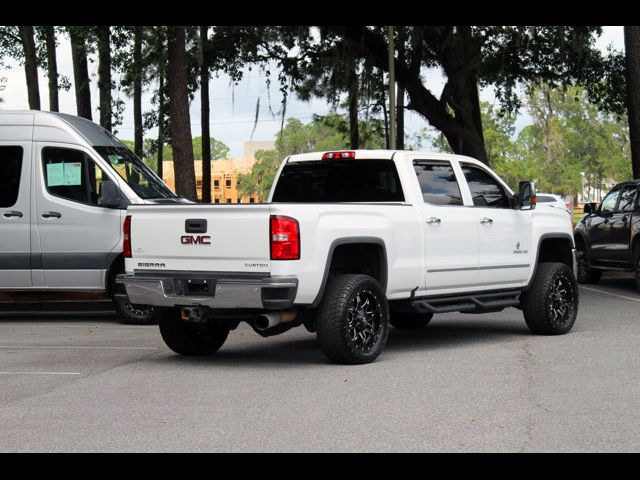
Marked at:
<point>477,56</point>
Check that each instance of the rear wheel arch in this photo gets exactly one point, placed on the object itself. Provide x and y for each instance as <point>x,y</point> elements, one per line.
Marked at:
<point>370,259</point>
<point>114,267</point>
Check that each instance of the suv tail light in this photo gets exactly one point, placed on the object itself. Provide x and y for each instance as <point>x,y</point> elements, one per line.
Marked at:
<point>126,243</point>
<point>285,238</point>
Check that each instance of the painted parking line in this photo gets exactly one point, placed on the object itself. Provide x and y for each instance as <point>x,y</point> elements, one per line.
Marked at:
<point>604,292</point>
<point>40,373</point>
<point>61,347</point>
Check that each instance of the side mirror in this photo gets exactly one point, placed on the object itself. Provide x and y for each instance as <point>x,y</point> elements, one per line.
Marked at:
<point>526,195</point>
<point>590,207</point>
<point>110,196</point>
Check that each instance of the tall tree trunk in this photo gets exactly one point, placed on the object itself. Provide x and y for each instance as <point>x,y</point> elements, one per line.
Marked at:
<point>137,90</point>
<point>52,67</point>
<point>400,95</point>
<point>464,130</point>
<point>161,114</point>
<point>30,66</point>
<point>387,143</point>
<point>354,136</point>
<point>80,71</point>
<point>104,75</point>
<point>181,140</point>
<point>632,54</point>
<point>204,117</point>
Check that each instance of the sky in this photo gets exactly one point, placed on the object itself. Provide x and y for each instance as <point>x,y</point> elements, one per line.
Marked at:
<point>232,107</point>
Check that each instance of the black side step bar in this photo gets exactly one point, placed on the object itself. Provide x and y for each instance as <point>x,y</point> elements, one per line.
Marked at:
<point>474,303</point>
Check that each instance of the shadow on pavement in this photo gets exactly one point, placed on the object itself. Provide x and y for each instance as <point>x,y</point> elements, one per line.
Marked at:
<point>300,352</point>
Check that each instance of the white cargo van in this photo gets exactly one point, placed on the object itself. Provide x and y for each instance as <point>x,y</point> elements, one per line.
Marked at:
<point>65,185</point>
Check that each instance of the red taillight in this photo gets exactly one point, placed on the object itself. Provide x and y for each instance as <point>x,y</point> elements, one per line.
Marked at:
<point>285,238</point>
<point>126,243</point>
<point>336,155</point>
<point>534,200</point>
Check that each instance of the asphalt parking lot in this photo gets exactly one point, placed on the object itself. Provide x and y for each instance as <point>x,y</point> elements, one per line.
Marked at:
<point>466,383</point>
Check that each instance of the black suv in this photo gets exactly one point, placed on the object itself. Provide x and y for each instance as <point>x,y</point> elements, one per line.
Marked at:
<point>608,238</point>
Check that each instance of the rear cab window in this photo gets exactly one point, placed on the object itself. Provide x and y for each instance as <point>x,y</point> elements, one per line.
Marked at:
<point>438,182</point>
<point>338,181</point>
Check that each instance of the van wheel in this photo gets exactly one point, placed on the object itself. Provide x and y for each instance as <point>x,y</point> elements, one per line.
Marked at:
<point>353,319</point>
<point>190,338</point>
<point>586,274</point>
<point>407,321</point>
<point>133,314</point>
<point>550,306</point>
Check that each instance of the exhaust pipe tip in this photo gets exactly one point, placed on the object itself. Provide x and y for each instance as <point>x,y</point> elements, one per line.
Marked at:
<point>263,322</point>
<point>266,321</point>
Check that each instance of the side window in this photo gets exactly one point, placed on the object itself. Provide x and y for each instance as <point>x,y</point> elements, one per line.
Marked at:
<point>627,199</point>
<point>71,174</point>
<point>10,170</point>
<point>485,190</point>
<point>438,182</point>
<point>609,203</point>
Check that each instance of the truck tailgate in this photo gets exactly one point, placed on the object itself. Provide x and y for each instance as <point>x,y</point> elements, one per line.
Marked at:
<point>200,238</point>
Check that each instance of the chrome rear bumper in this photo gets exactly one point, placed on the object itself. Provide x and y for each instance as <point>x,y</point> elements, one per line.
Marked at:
<point>208,290</point>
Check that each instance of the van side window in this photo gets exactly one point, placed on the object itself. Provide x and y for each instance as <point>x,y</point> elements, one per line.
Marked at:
<point>72,175</point>
<point>486,191</point>
<point>10,169</point>
<point>438,182</point>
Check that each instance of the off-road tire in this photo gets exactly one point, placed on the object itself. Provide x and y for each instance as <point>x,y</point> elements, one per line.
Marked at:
<point>189,338</point>
<point>547,310</point>
<point>410,320</point>
<point>353,306</point>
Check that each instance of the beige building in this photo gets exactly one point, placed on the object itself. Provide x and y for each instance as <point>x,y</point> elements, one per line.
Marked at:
<point>224,174</point>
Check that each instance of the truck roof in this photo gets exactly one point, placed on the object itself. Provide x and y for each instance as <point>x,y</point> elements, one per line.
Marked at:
<point>65,125</point>
<point>381,155</point>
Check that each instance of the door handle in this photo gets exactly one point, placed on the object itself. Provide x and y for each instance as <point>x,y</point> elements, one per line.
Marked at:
<point>486,220</point>
<point>13,213</point>
<point>51,215</point>
<point>433,220</point>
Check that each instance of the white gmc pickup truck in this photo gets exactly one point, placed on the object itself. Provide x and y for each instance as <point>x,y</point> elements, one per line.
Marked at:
<point>348,243</point>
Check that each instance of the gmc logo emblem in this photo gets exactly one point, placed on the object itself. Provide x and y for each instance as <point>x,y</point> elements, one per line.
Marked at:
<point>195,240</point>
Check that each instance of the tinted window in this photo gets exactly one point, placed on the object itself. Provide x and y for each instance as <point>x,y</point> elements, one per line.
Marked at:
<point>71,174</point>
<point>339,181</point>
<point>485,190</point>
<point>609,202</point>
<point>438,182</point>
<point>627,199</point>
<point>10,169</point>
<point>544,199</point>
